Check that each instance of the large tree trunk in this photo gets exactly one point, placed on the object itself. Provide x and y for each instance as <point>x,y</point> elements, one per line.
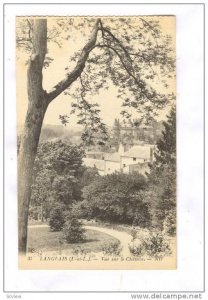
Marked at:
<point>37,105</point>
<point>38,101</point>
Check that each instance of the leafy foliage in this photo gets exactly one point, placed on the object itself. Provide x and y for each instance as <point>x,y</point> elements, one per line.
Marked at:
<point>154,245</point>
<point>57,218</point>
<point>115,198</point>
<point>162,179</point>
<point>137,248</point>
<point>95,131</point>
<point>169,224</point>
<point>58,167</point>
<point>89,175</point>
<point>117,132</point>
<point>136,59</point>
<point>111,248</point>
<point>64,119</point>
<point>73,232</point>
<point>166,146</point>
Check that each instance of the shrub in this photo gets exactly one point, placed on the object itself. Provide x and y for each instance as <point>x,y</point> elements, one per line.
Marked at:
<point>33,213</point>
<point>134,234</point>
<point>153,245</point>
<point>156,245</point>
<point>169,224</point>
<point>79,251</point>
<point>141,219</point>
<point>77,211</point>
<point>57,218</point>
<point>111,248</point>
<point>136,248</point>
<point>73,231</point>
<point>115,198</point>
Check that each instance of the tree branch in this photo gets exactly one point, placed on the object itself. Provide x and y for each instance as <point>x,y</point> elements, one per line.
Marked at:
<point>121,59</point>
<point>117,41</point>
<point>72,76</point>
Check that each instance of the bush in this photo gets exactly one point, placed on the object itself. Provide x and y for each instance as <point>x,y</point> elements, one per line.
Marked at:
<point>77,211</point>
<point>73,231</point>
<point>34,213</point>
<point>154,245</point>
<point>142,219</point>
<point>111,248</point>
<point>116,198</point>
<point>136,248</point>
<point>134,234</point>
<point>79,251</point>
<point>169,224</point>
<point>57,218</point>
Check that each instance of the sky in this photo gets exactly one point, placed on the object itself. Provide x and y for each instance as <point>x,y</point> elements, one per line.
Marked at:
<point>110,105</point>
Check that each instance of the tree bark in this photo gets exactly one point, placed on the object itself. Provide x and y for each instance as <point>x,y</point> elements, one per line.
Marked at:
<point>37,105</point>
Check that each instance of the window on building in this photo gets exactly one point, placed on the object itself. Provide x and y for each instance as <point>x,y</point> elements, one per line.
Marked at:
<point>124,165</point>
<point>108,169</point>
<point>134,158</point>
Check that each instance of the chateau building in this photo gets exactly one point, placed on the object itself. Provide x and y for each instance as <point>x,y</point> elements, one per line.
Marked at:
<point>135,159</point>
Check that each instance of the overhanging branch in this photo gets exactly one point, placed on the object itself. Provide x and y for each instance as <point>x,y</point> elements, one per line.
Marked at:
<point>122,61</point>
<point>72,76</point>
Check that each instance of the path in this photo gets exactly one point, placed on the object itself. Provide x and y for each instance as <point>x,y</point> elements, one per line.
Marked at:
<point>122,236</point>
<point>38,226</point>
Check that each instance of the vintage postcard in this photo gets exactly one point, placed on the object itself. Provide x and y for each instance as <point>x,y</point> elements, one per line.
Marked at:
<point>96,132</point>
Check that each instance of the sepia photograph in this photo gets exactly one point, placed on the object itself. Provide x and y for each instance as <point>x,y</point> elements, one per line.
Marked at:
<point>96,142</point>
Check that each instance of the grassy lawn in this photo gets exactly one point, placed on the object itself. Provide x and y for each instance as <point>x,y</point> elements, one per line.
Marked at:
<point>42,239</point>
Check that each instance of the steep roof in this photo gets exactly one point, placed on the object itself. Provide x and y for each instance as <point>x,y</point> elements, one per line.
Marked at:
<point>138,152</point>
<point>113,157</point>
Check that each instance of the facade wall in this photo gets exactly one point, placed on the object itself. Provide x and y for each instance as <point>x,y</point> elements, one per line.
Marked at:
<point>125,170</point>
<point>126,161</point>
<point>127,164</point>
<point>111,167</point>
